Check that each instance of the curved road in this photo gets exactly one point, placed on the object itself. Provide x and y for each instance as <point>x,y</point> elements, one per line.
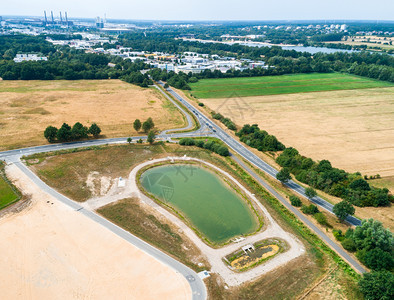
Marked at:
<point>207,128</point>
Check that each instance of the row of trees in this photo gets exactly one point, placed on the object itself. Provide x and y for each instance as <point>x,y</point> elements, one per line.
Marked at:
<point>146,126</point>
<point>226,121</point>
<point>209,145</point>
<point>259,139</point>
<point>372,244</point>
<point>336,182</point>
<point>66,133</point>
<point>341,209</point>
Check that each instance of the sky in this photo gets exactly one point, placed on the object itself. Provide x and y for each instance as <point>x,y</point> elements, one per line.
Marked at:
<point>207,9</point>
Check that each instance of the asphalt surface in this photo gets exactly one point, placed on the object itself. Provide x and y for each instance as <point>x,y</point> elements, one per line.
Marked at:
<point>302,217</point>
<point>197,285</point>
<point>206,128</point>
<point>252,158</point>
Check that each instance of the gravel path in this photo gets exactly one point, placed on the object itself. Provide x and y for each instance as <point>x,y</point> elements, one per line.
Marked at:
<point>214,256</point>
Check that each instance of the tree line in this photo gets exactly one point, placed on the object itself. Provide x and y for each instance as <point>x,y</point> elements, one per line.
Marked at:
<point>66,133</point>
<point>259,139</point>
<point>334,181</point>
<point>209,145</point>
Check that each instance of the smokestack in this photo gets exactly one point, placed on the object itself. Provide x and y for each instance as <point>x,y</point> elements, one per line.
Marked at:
<point>45,16</point>
<point>61,19</point>
<point>66,18</point>
<point>53,22</point>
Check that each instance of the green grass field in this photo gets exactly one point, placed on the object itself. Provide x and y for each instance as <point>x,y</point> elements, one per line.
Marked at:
<point>7,195</point>
<point>284,84</point>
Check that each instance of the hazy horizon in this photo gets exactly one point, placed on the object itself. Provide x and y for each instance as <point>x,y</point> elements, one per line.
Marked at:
<point>204,10</point>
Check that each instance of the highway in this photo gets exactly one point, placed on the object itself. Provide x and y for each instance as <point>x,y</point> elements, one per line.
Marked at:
<point>198,288</point>
<point>251,157</point>
<point>206,128</point>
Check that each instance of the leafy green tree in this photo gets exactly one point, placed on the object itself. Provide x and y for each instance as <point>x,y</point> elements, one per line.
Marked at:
<point>295,201</point>
<point>137,125</point>
<point>150,121</point>
<point>148,125</point>
<point>377,285</point>
<point>283,175</point>
<point>151,137</point>
<point>360,184</point>
<point>50,133</point>
<point>377,259</point>
<point>349,245</point>
<point>95,130</point>
<point>310,210</point>
<point>371,234</point>
<point>64,133</point>
<point>129,140</point>
<point>223,151</point>
<point>343,209</point>
<point>187,142</point>
<point>79,131</point>
<point>310,192</point>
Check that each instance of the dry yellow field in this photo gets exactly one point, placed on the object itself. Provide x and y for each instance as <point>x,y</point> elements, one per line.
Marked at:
<point>354,129</point>
<point>50,251</point>
<point>28,107</point>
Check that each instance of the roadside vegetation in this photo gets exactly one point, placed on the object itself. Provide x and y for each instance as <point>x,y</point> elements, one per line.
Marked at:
<point>211,145</point>
<point>351,187</point>
<point>8,192</point>
<point>66,133</point>
<point>113,161</point>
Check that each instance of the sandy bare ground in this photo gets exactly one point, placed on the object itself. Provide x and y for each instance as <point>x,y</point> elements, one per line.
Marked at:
<point>353,129</point>
<point>214,256</point>
<point>28,107</point>
<point>49,251</point>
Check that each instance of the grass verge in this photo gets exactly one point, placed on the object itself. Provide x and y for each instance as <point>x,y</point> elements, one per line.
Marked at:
<point>9,194</point>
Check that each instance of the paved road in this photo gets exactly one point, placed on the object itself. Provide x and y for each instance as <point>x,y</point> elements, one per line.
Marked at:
<point>302,217</point>
<point>13,156</point>
<point>251,157</point>
<point>196,284</point>
<point>207,128</point>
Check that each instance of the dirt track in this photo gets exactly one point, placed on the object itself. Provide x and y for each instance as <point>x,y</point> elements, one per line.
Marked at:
<point>50,251</point>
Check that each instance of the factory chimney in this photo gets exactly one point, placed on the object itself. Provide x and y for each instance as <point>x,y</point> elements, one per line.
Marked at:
<point>53,22</point>
<point>45,16</point>
<point>66,18</point>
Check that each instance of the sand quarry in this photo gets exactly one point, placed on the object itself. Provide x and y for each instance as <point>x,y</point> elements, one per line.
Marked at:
<point>50,251</point>
<point>354,129</point>
<point>28,107</point>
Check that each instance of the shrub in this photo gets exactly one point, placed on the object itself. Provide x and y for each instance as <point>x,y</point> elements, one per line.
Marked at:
<point>295,201</point>
<point>200,143</point>
<point>321,218</point>
<point>187,142</point>
<point>377,285</point>
<point>201,104</point>
<point>377,259</point>
<point>223,151</point>
<point>338,235</point>
<point>309,210</point>
<point>349,244</point>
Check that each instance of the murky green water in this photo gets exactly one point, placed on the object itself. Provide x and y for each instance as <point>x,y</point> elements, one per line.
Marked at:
<point>215,209</point>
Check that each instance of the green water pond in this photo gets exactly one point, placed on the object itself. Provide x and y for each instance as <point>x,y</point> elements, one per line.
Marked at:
<point>205,200</point>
